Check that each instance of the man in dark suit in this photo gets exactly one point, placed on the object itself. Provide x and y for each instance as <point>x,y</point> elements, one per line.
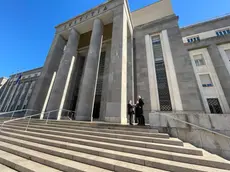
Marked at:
<point>141,104</point>
<point>130,112</point>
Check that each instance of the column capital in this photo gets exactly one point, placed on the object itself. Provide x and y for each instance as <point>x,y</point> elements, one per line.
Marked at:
<point>72,30</point>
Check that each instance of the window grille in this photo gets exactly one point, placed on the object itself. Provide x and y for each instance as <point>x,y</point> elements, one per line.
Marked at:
<point>163,89</point>
<point>214,106</point>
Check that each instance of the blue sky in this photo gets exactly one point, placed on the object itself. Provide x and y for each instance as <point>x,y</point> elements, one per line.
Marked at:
<point>27,26</point>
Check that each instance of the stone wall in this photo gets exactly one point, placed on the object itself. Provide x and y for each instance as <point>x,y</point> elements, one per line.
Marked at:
<point>206,26</point>
<point>189,93</point>
<point>201,138</point>
<point>217,60</point>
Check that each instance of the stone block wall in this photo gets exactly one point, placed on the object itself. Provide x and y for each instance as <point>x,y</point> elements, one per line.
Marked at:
<point>201,138</point>
<point>188,87</point>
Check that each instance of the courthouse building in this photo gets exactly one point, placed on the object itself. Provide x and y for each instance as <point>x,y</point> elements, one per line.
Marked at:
<point>108,55</point>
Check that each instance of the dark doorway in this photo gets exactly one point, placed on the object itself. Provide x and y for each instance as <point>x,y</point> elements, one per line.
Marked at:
<point>97,105</point>
<point>98,94</point>
<point>214,106</point>
<point>79,73</point>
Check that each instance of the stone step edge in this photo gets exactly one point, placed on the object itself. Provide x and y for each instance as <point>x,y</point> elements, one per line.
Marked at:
<point>35,157</point>
<point>5,168</point>
<point>163,141</point>
<point>13,165</point>
<point>134,128</point>
<point>156,146</point>
<point>155,163</point>
<point>156,154</point>
<point>96,163</point>
<point>93,129</point>
<point>18,165</point>
<point>96,124</point>
<point>155,135</point>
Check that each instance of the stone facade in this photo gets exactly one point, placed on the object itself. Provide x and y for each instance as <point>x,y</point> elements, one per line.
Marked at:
<point>108,55</point>
<point>16,93</point>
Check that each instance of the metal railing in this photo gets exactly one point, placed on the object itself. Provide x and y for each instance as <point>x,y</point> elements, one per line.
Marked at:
<point>12,113</point>
<point>47,117</point>
<point>194,125</point>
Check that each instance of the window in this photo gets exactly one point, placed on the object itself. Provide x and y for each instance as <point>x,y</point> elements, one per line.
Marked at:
<point>206,80</point>
<point>193,39</point>
<point>228,54</point>
<point>223,32</point>
<point>161,75</point>
<point>214,106</point>
<point>199,60</point>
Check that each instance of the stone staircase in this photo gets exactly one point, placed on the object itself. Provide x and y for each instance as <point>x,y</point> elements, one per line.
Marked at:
<point>98,147</point>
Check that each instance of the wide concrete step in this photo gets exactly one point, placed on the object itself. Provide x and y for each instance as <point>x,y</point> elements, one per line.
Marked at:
<point>4,168</point>
<point>95,125</point>
<point>22,164</point>
<point>95,133</point>
<point>170,141</point>
<point>127,132</point>
<point>49,160</point>
<point>163,147</point>
<point>108,163</point>
<point>94,160</point>
<point>183,158</point>
<point>100,125</point>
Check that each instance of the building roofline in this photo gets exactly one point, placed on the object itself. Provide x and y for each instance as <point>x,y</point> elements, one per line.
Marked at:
<point>206,21</point>
<point>3,77</point>
<point>27,71</point>
<point>146,6</point>
<point>82,14</point>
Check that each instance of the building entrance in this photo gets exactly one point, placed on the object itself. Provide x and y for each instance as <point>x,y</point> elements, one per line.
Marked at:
<point>99,88</point>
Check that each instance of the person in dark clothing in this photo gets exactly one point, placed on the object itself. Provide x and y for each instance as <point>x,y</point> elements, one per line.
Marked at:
<point>141,116</point>
<point>130,112</point>
<point>137,112</point>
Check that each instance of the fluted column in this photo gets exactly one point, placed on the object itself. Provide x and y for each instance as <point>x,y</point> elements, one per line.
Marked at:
<point>64,74</point>
<point>88,86</point>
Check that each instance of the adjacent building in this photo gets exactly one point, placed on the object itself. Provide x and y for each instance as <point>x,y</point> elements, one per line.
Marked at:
<point>2,81</point>
<point>17,91</point>
<point>108,55</point>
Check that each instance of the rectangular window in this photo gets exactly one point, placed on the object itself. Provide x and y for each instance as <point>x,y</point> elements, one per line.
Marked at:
<point>228,54</point>
<point>161,75</point>
<point>206,80</point>
<point>214,106</point>
<point>193,39</point>
<point>199,60</point>
<point>223,32</point>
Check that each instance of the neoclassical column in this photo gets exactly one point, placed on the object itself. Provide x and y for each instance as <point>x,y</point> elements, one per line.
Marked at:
<point>51,65</point>
<point>116,108</point>
<point>64,74</point>
<point>86,96</point>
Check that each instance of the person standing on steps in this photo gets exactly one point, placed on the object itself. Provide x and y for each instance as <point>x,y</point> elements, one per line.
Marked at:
<point>141,116</point>
<point>130,112</point>
<point>137,112</point>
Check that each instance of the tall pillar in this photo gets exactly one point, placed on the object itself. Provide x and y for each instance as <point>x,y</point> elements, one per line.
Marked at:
<point>51,65</point>
<point>88,86</point>
<point>64,74</point>
<point>116,109</point>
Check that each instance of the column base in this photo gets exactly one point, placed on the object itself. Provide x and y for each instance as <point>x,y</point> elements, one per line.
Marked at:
<point>82,118</point>
<point>113,113</point>
<point>113,119</point>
